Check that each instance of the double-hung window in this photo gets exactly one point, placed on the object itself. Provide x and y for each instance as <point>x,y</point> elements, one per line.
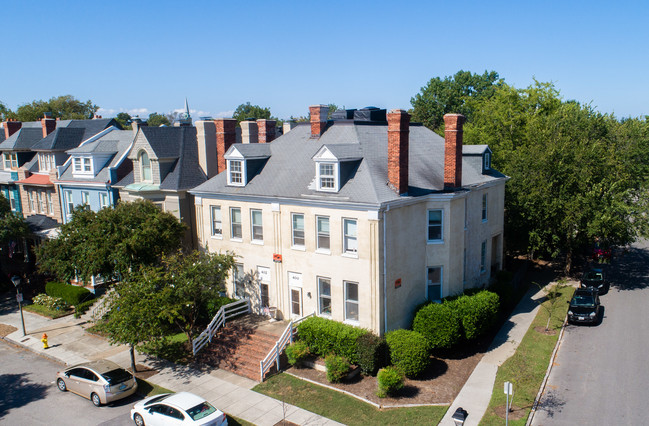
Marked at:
<point>50,204</point>
<point>103,200</point>
<point>12,201</point>
<point>326,176</point>
<point>324,296</point>
<point>434,284</point>
<point>85,198</point>
<point>324,236</point>
<point>217,222</point>
<point>237,278</point>
<point>235,223</point>
<point>351,301</point>
<point>350,237</point>
<point>435,225</point>
<point>69,201</point>
<point>145,167</point>
<point>236,172</point>
<point>483,256</point>
<point>256,224</point>
<point>87,167</point>
<point>32,204</point>
<point>77,164</point>
<point>41,202</point>
<point>484,207</point>
<point>297,227</point>
<point>11,161</point>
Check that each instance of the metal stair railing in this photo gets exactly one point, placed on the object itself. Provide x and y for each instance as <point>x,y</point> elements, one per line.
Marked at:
<point>226,312</point>
<point>284,340</point>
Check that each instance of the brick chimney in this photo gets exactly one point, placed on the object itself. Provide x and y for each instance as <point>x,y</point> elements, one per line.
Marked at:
<point>318,119</point>
<point>453,150</point>
<point>398,141</point>
<point>11,127</point>
<point>206,138</point>
<point>48,123</point>
<point>266,130</point>
<point>226,136</point>
<point>249,131</point>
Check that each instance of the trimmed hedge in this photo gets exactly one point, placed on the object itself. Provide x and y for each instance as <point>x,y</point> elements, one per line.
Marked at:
<point>373,353</point>
<point>296,352</point>
<point>440,324</point>
<point>478,312</point>
<point>337,368</point>
<point>408,351</point>
<point>390,380</point>
<point>72,294</point>
<point>324,336</point>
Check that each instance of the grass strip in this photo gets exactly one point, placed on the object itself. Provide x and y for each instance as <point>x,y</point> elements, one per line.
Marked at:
<point>526,368</point>
<point>51,313</point>
<point>343,408</point>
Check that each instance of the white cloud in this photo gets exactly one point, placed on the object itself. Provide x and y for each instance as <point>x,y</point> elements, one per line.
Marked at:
<point>225,114</point>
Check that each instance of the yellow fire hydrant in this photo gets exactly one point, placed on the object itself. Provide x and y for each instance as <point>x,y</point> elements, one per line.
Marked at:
<point>44,340</point>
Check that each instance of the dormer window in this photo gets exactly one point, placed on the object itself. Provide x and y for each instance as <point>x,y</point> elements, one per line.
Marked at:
<point>487,160</point>
<point>11,161</point>
<point>145,166</point>
<point>334,165</point>
<point>236,172</point>
<point>82,165</point>
<point>46,162</point>
<point>327,176</point>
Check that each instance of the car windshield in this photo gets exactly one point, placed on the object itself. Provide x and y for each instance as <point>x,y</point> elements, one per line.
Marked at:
<point>593,276</point>
<point>583,301</point>
<point>203,409</point>
<point>157,399</point>
<point>117,376</point>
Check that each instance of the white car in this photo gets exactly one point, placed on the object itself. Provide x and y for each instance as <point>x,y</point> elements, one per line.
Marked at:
<point>181,408</point>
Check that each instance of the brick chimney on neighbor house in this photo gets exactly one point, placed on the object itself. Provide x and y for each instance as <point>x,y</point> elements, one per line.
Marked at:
<point>398,141</point>
<point>453,150</point>
<point>266,130</point>
<point>206,138</point>
<point>226,136</point>
<point>48,123</point>
<point>11,127</point>
<point>318,119</point>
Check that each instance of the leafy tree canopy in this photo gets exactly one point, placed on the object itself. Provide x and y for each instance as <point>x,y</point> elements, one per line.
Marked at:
<point>124,119</point>
<point>112,242</point>
<point>245,111</point>
<point>12,226</point>
<point>64,107</point>
<point>450,95</point>
<point>157,120</point>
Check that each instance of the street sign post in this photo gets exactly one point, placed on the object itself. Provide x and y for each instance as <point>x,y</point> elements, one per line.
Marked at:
<point>509,390</point>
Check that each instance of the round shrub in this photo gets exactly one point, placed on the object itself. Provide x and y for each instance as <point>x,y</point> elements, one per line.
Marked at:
<point>440,324</point>
<point>297,352</point>
<point>372,353</point>
<point>337,368</point>
<point>72,294</point>
<point>390,380</point>
<point>408,351</point>
<point>324,336</point>
<point>478,313</point>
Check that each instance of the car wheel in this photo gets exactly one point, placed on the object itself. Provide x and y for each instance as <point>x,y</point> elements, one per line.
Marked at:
<point>95,400</point>
<point>139,421</point>
<point>61,385</point>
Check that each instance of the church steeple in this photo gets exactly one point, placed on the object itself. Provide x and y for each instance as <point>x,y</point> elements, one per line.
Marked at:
<point>185,119</point>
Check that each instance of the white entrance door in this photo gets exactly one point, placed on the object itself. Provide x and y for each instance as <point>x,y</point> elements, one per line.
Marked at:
<point>295,294</point>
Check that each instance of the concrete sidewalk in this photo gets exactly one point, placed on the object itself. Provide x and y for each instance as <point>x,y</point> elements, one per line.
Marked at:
<point>476,393</point>
<point>70,344</point>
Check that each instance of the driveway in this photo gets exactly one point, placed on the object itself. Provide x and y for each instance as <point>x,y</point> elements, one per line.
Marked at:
<point>600,375</point>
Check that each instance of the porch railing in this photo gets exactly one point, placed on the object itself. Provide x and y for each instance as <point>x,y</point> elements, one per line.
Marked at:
<point>226,312</point>
<point>284,340</point>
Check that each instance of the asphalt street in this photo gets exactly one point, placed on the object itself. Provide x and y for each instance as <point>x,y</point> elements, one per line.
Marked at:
<point>600,374</point>
<point>28,395</point>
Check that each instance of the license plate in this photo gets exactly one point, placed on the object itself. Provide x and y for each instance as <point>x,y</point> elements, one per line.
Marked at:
<point>581,318</point>
<point>122,387</point>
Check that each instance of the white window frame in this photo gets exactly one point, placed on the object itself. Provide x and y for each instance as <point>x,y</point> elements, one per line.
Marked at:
<point>350,302</point>
<point>233,223</point>
<point>429,283</point>
<point>10,160</point>
<point>253,226</point>
<point>85,198</point>
<point>483,257</point>
<point>32,205</point>
<point>50,203</point>
<point>103,200</point>
<point>216,219</point>
<point>76,161</point>
<point>319,247</point>
<point>87,165</point>
<point>348,248</point>
<point>333,176</point>
<point>237,177</point>
<point>12,201</point>
<point>440,225</point>
<point>69,201</point>
<point>322,281</point>
<point>294,230</point>
<point>143,167</point>
<point>238,273</point>
<point>292,289</point>
<point>485,206</point>
<point>42,208</point>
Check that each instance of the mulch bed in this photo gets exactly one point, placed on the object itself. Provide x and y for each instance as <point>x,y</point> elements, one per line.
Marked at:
<point>6,330</point>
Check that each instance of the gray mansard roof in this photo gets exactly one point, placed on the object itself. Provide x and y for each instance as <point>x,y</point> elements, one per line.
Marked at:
<point>71,133</point>
<point>363,148</point>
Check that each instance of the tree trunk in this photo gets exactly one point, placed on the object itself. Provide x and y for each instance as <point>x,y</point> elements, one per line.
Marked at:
<point>132,352</point>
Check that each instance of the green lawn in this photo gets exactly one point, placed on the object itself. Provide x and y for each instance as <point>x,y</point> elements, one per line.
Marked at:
<point>148,389</point>
<point>526,368</point>
<point>342,408</point>
<point>42,310</point>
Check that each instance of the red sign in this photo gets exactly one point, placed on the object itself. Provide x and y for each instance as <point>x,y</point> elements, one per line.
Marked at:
<point>397,283</point>
<point>277,258</point>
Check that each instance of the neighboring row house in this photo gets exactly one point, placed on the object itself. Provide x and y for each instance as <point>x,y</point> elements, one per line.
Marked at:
<point>359,218</point>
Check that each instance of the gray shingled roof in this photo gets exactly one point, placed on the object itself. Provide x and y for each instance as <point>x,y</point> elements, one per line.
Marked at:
<point>474,149</point>
<point>251,150</point>
<point>165,141</point>
<point>290,171</point>
<point>69,136</point>
<point>22,140</point>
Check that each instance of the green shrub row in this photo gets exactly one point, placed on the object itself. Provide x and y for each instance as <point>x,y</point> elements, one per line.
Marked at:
<point>72,294</point>
<point>457,319</point>
<point>82,308</point>
<point>408,351</point>
<point>324,336</point>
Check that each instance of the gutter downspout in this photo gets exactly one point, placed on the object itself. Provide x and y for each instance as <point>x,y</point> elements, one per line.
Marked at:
<point>385,274</point>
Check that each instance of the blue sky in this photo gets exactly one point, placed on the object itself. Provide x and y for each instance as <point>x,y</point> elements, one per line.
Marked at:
<point>143,57</point>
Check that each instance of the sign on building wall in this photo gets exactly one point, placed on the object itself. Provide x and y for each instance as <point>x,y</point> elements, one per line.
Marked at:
<point>294,279</point>
<point>264,274</point>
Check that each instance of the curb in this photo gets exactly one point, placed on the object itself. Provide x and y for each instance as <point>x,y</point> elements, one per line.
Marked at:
<point>537,400</point>
<point>42,354</point>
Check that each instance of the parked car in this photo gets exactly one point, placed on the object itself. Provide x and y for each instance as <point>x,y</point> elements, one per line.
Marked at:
<point>177,409</point>
<point>594,278</point>
<point>584,306</point>
<point>100,381</point>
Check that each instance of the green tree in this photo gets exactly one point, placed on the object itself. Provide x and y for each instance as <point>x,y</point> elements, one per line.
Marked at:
<point>12,226</point>
<point>64,107</point>
<point>451,95</point>
<point>157,120</point>
<point>124,119</point>
<point>112,242</point>
<point>245,111</point>
<point>4,111</point>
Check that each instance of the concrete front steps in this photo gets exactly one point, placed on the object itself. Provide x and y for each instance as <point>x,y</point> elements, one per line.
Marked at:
<point>240,345</point>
